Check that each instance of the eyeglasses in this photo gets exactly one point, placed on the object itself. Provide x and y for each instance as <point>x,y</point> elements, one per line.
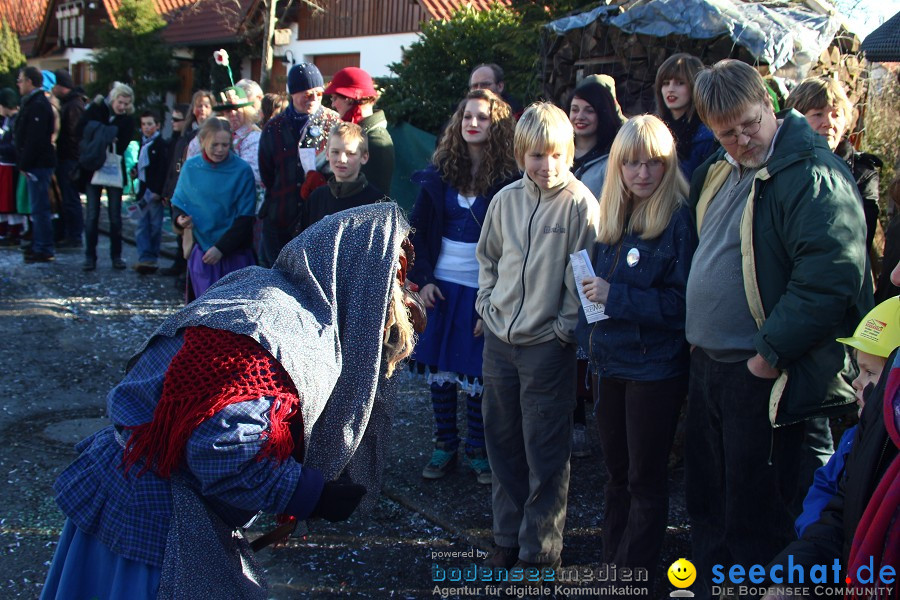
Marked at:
<point>310,94</point>
<point>177,119</point>
<point>747,129</point>
<point>635,165</point>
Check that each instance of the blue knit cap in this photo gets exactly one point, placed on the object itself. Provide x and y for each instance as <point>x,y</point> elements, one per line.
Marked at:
<point>49,80</point>
<point>304,76</point>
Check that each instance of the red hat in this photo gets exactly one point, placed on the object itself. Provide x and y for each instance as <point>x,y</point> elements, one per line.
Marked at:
<point>353,83</point>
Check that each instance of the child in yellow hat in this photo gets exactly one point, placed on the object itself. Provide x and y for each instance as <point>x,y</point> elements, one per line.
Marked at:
<point>876,336</point>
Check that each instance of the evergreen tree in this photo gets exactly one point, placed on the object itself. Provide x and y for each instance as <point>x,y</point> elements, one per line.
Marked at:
<point>135,53</point>
<point>11,57</point>
<point>434,74</point>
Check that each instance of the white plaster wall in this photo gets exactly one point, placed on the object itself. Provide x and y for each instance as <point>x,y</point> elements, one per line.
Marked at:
<point>77,55</point>
<point>376,52</point>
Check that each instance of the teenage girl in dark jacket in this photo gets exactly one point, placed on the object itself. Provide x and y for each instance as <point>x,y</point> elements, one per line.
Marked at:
<point>639,353</point>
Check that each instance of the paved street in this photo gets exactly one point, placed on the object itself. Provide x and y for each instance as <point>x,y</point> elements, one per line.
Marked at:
<point>66,338</point>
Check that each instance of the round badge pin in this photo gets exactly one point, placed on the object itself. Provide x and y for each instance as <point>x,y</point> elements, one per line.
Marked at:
<point>315,131</point>
<point>633,257</point>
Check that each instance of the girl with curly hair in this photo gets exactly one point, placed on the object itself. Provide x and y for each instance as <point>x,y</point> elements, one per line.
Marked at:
<point>474,159</point>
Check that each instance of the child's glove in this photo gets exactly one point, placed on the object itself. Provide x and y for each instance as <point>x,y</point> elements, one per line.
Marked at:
<point>313,180</point>
<point>338,500</point>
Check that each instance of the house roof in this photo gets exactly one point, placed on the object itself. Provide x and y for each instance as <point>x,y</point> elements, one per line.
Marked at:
<point>24,16</point>
<point>443,9</point>
<point>204,22</point>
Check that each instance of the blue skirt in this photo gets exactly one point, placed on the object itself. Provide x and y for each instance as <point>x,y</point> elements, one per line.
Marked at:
<point>447,343</point>
<point>83,567</point>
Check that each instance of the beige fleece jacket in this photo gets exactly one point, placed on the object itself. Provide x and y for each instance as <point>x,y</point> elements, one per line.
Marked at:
<point>526,290</point>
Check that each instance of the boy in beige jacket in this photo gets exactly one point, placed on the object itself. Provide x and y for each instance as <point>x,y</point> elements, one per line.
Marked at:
<point>529,303</point>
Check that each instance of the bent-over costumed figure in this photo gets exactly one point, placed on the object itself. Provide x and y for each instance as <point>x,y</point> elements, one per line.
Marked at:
<point>239,403</point>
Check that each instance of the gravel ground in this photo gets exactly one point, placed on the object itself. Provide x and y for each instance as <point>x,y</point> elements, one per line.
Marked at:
<point>68,335</point>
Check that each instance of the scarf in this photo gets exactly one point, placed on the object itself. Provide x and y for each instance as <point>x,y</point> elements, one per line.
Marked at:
<point>877,536</point>
<point>343,189</point>
<point>353,114</point>
<point>320,313</point>
<point>144,156</point>
<point>298,120</point>
<point>212,370</point>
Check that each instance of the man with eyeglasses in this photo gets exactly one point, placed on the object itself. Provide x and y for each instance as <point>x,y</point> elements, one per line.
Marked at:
<point>489,76</point>
<point>36,160</point>
<point>289,148</point>
<point>779,273</point>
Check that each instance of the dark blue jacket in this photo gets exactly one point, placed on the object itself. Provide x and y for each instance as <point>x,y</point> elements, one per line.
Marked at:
<point>703,144</point>
<point>644,337</point>
<point>427,221</point>
<point>34,133</point>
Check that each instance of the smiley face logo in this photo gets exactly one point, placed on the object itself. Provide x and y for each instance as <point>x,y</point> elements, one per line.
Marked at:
<point>682,573</point>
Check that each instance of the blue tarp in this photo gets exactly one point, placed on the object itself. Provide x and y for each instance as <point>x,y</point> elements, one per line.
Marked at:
<point>789,38</point>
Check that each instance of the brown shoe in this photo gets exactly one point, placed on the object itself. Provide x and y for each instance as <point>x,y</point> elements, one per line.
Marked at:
<point>502,557</point>
<point>536,572</point>
<point>38,257</point>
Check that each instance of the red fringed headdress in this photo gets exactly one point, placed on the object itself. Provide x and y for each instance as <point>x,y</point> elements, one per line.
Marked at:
<point>212,370</point>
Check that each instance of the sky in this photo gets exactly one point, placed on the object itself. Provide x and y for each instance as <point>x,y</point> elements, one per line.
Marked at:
<point>866,15</point>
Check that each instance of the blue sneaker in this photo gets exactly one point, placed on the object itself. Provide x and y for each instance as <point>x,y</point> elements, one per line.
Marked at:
<point>478,462</point>
<point>442,462</point>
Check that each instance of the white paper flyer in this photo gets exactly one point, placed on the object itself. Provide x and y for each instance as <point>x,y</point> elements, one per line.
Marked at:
<point>581,267</point>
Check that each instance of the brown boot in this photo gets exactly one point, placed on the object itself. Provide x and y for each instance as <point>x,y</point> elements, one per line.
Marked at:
<point>502,557</point>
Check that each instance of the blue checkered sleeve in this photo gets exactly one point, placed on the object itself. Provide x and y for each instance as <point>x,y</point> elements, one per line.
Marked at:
<point>223,454</point>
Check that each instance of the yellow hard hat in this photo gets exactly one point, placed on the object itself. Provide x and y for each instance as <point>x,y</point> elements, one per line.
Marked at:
<point>879,331</point>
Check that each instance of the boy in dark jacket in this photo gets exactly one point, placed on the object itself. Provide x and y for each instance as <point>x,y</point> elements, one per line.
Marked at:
<point>347,151</point>
<point>153,161</point>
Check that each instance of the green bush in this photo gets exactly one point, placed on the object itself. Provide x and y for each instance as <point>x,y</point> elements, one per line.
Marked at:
<point>11,57</point>
<point>135,53</point>
<point>434,73</point>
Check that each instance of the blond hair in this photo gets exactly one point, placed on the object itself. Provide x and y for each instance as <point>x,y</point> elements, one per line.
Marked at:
<point>350,132</point>
<point>724,91</point>
<point>121,89</point>
<point>399,335</point>
<point>543,128</point>
<point>210,128</point>
<point>820,92</point>
<point>644,134</point>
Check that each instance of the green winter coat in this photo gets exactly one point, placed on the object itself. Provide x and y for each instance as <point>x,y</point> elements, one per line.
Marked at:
<point>803,238</point>
<point>380,168</point>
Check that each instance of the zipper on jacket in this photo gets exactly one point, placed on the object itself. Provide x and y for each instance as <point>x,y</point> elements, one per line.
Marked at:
<point>524,264</point>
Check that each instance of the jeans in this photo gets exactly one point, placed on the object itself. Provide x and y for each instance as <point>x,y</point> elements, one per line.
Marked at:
<point>38,185</point>
<point>528,400</point>
<point>149,231</point>
<point>740,472</point>
<point>73,218</point>
<point>114,208</point>
<point>636,421</point>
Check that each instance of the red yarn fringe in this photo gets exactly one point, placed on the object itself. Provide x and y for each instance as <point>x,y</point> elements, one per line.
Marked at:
<point>212,370</point>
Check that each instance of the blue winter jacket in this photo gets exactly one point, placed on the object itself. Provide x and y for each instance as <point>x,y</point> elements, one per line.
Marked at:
<point>703,144</point>
<point>644,337</point>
